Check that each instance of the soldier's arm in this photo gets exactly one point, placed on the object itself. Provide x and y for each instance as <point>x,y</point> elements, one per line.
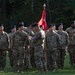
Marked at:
<point>73,39</point>
<point>67,31</point>
<point>31,33</point>
<point>12,41</point>
<point>26,41</point>
<point>36,38</point>
<point>67,39</point>
<point>58,41</point>
<point>45,42</point>
<point>8,41</point>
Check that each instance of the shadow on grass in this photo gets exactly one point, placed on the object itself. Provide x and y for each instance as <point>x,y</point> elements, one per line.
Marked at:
<point>68,70</point>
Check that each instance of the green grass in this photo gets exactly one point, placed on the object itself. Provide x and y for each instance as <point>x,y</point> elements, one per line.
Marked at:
<point>68,70</point>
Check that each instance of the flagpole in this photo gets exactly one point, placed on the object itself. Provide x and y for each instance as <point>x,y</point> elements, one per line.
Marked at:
<point>45,44</point>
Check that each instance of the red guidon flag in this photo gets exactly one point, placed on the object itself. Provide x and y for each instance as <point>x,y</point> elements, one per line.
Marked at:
<point>43,20</point>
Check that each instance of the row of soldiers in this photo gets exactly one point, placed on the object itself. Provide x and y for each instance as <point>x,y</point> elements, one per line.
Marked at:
<point>45,49</point>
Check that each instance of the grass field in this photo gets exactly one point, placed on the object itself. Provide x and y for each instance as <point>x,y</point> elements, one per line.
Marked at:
<point>68,70</point>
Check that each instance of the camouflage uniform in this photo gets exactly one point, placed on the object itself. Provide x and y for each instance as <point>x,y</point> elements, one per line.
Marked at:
<point>30,49</point>
<point>38,43</point>
<point>52,43</point>
<point>10,52</point>
<point>73,42</point>
<point>62,48</point>
<point>70,31</point>
<point>19,46</point>
<point>4,45</point>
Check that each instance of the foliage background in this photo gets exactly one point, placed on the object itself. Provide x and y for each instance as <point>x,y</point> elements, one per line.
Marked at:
<point>30,11</point>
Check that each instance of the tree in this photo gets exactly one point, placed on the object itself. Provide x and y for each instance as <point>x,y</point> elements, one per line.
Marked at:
<point>30,11</point>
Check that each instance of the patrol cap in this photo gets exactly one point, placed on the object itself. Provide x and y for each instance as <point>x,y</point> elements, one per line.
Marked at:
<point>1,25</point>
<point>34,24</point>
<point>72,22</point>
<point>20,24</point>
<point>60,24</point>
<point>50,25</point>
<point>13,27</point>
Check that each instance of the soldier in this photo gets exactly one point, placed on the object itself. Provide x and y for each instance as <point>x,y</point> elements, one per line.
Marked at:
<point>13,30</point>
<point>63,44</point>
<point>38,43</point>
<point>4,46</point>
<point>19,46</point>
<point>73,42</point>
<point>70,45</point>
<point>31,48</point>
<point>52,44</point>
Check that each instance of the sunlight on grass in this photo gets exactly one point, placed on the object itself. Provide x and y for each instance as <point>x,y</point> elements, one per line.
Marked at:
<point>34,71</point>
<point>68,70</point>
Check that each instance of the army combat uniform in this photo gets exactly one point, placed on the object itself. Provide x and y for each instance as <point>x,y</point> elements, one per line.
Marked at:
<point>70,32</point>
<point>13,29</point>
<point>19,46</point>
<point>31,48</point>
<point>73,43</point>
<point>38,43</point>
<point>62,48</point>
<point>4,45</point>
<point>52,43</point>
<point>10,51</point>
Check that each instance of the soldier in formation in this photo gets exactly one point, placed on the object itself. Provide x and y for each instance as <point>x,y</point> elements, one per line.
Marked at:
<point>70,32</point>
<point>73,42</point>
<point>13,30</point>
<point>31,48</point>
<point>4,46</point>
<point>63,44</point>
<point>52,45</point>
<point>32,43</point>
<point>19,45</point>
<point>38,44</point>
